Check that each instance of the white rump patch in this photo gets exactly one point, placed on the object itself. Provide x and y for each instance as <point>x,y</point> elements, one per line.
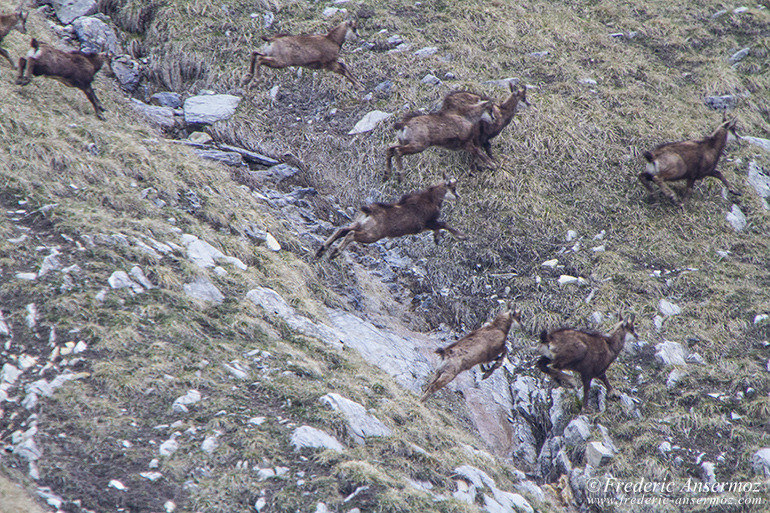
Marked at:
<point>450,196</point>
<point>546,350</point>
<point>652,168</point>
<point>403,135</point>
<point>487,117</point>
<point>33,54</point>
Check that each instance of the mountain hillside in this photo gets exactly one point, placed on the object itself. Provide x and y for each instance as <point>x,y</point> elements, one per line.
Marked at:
<point>169,342</point>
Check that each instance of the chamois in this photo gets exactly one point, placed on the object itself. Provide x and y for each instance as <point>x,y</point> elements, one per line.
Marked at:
<point>448,129</point>
<point>588,353</point>
<point>73,69</point>
<point>8,22</point>
<point>484,345</point>
<point>687,160</point>
<point>413,213</point>
<point>501,114</point>
<point>316,51</point>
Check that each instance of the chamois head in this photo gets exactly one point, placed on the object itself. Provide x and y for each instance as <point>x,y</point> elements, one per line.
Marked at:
<point>21,21</point>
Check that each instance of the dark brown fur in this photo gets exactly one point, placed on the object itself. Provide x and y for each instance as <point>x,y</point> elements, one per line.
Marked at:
<point>687,160</point>
<point>73,69</point>
<point>501,114</point>
<point>316,51</point>
<point>8,22</point>
<point>446,129</point>
<point>587,353</point>
<point>413,213</point>
<point>484,345</point>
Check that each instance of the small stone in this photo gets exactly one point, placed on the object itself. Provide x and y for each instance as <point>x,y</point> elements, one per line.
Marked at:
<point>169,506</point>
<point>200,138</point>
<point>50,263</point>
<point>760,462</point>
<point>597,317</point>
<point>369,122</point>
<point>598,249</point>
<point>538,55</point>
<point>151,476</point>
<point>117,485</point>
<point>120,280</point>
<point>431,79</point>
<point>736,218</point>
<point>668,308</point>
<point>571,235</point>
<point>331,11</point>
<point>26,276</point>
<point>588,81</point>
<point>167,99</point>
<point>181,403</point>
<point>260,504</point>
<point>9,374</point>
<point>257,421</point>
<point>674,377</point>
<point>707,472</point>
<point>394,40</point>
<point>31,315</point>
<point>721,103</point>
<point>209,108</point>
<point>577,431</point>
<point>664,448</point>
<point>154,463</point>
<point>761,318</point>
<point>229,158</point>
<point>670,353</point>
<point>211,443</point>
<point>550,263</point>
<point>425,52</point>
<point>265,473</point>
<point>739,55</point>
<point>137,273</point>
<point>267,19</point>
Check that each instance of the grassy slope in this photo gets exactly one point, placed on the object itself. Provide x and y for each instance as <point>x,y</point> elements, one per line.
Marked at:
<point>566,164</point>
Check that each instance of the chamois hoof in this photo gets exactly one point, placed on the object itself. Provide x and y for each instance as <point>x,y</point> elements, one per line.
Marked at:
<point>22,81</point>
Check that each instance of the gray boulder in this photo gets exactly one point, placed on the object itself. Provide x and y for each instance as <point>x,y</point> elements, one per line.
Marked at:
<point>761,183</point>
<point>726,102</point>
<point>670,353</point>
<point>361,425</point>
<point>760,462</point>
<point>95,35</point>
<point>127,72</point>
<point>69,10</point>
<point>207,109</point>
<point>597,454</point>
<point>736,218</point>
<point>577,431</point>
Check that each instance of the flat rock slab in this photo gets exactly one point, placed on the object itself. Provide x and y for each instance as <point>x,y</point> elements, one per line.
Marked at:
<point>69,10</point>
<point>167,99</point>
<point>226,157</point>
<point>760,180</point>
<point>306,436</point>
<point>361,425</point>
<point>203,290</point>
<point>160,116</point>
<point>670,353</point>
<point>207,109</point>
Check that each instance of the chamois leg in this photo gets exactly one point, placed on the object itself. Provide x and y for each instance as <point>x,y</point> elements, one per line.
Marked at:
<point>474,150</point>
<point>250,75</point>
<point>342,69</point>
<point>646,178</point>
<point>557,375</point>
<point>718,175</point>
<point>665,188</point>
<point>611,392</point>
<point>345,243</point>
<point>336,235</point>
<point>442,379</point>
<point>436,226</point>
<point>496,363</point>
<point>488,148</point>
<point>586,389</point>
<point>23,80</point>
<point>389,162</point>
<point>688,189</point>
<point>91,95</point>
<point>5,54</point>
<point>400,150</point>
